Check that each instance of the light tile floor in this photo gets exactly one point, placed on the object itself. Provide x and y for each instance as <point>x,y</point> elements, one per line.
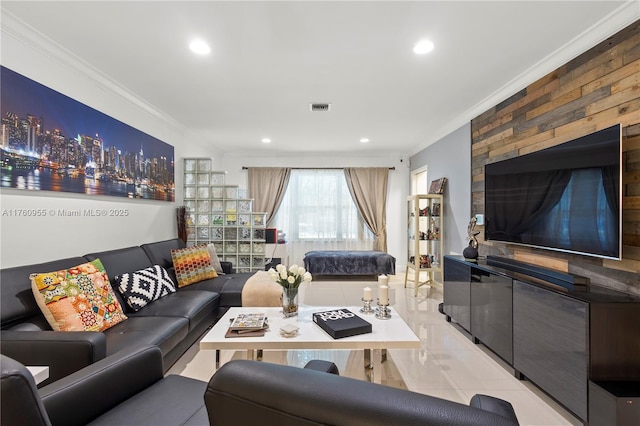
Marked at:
<point>447,365</point>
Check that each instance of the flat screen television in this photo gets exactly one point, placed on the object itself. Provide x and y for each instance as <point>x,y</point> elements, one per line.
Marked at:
<point>566,197</point>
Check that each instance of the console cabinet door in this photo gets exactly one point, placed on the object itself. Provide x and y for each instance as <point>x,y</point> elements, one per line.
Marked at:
<point>456,292</point>
<point>492,311</point>
<point>550,343</point>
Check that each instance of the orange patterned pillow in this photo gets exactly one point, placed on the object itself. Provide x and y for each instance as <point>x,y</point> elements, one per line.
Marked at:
<point>192,264</point>
<point>78,298</point>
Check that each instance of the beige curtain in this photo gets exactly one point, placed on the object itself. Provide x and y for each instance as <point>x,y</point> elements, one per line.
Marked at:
<point>368,187</point>
<point>267,185</point>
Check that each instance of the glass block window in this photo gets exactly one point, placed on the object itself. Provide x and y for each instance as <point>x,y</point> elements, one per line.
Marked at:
<point>189,192</point>
<point>217,192</point>
<point>203,192</point>
<point>244,206</point>
<point>230,233</point>
<point>204,165</point>
<point>203,206</point>
<point>217,206</point>
<point>203,178</point>
<point>217,233</point>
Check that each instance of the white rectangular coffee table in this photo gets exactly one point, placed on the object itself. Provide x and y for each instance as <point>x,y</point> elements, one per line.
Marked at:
<point>392,333</point>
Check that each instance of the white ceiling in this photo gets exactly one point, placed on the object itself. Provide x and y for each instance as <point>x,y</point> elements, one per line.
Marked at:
<point>271,59</point>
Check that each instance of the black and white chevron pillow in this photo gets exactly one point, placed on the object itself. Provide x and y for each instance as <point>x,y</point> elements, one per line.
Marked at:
<point>144,286</point>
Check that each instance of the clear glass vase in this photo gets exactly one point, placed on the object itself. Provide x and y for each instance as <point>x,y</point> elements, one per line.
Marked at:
<point>290,302</point>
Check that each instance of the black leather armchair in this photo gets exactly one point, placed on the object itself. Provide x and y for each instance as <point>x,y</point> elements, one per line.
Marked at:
<point>250,392</point>
<point>127,388</point>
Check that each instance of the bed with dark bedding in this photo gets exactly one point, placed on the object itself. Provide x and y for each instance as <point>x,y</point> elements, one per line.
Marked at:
<point>349,262</point>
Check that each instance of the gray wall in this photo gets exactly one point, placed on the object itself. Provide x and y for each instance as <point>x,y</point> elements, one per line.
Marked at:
<point>450,157</point>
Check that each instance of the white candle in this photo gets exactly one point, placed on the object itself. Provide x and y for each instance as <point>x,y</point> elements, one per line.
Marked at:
<point>383,296</point>
<point>383,280</point>
<point>367,294</point>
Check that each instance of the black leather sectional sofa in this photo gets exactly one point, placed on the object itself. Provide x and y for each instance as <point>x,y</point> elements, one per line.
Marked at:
<point>173,323</point>
<point>117,376</point>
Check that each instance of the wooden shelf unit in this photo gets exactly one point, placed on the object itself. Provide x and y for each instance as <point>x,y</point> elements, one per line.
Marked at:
<point>424,238</point>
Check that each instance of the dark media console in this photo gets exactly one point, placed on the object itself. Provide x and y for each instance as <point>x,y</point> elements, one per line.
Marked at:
<point>562,279</point>
<point>551,327</point>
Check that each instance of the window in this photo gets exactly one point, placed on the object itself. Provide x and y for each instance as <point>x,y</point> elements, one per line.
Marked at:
<point>318,213</point>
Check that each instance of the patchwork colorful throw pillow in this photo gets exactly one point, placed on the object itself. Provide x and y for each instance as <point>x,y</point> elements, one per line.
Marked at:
<point>192,265</point>
<point>142,287</point>
<point>77,299</point>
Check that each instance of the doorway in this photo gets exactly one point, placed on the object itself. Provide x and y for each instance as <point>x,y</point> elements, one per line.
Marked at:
<point>419,181</point>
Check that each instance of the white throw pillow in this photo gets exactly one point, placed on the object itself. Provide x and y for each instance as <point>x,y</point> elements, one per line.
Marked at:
<point>215,262</point>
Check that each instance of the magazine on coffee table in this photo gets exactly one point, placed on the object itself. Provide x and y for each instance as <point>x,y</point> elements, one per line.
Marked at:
<point>245,333</point>
<point>248,325</point>
<point>249,322</point>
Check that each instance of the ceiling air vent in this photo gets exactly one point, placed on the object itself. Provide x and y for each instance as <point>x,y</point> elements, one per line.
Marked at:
<point>320,107</point>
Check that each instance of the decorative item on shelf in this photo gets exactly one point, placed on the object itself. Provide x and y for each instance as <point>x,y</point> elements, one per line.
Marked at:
<point>471,251</point>
<point>425,212</point>
<point>437,186</point>
<point>290,280</point>
<point>434,229</point>
<point>425,261</point>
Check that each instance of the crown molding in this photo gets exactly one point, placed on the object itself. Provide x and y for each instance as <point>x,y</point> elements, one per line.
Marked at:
<point>616,21</point>
<point>33,40</point>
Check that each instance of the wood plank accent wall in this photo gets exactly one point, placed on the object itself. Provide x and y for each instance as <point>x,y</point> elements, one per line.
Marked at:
<point>596,90</point>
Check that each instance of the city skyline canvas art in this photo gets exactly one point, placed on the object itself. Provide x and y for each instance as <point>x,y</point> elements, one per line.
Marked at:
<point>51,142</point>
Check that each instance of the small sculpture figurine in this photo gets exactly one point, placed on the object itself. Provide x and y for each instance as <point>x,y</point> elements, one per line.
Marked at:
<point>471,252</point>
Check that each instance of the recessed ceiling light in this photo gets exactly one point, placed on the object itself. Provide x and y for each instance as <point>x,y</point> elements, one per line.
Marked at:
<point>199,47</point>
<point>364,140</point>
<point>266,140</point>
<point>423,47</point>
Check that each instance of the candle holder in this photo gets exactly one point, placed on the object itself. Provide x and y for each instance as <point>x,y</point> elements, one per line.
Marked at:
<point>383,311</point>
<point>366,309</point>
